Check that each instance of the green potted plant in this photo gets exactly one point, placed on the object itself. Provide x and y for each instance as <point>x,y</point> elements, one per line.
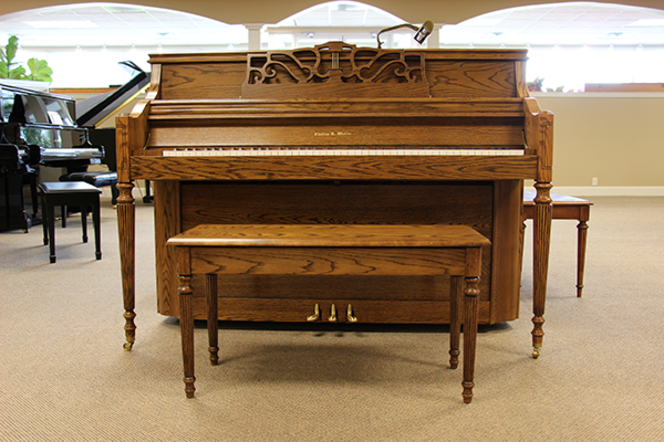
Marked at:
<point>39,69</point>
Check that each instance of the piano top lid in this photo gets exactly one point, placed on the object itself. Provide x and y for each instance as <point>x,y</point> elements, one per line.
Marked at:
<point>94,110</point>
<point>27,106</point>
<point>341,70</point>
<point>431,54</point>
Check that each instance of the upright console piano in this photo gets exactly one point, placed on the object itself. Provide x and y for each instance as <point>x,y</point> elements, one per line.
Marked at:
<point>340,134</point>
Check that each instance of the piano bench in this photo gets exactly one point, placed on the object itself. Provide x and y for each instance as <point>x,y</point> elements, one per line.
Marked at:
<point>74,193</point>
<point>564,207</point>
<point>97,179</point>
<point>320,249</point>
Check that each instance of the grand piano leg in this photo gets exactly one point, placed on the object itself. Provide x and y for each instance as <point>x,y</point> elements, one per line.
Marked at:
<point>542,238</point>
<point>126,227</point>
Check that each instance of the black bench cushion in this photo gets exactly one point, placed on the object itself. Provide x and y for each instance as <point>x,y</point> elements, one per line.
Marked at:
<point>97,179</point>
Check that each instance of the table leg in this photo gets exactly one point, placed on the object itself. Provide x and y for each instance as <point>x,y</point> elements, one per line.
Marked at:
<point>581,258</point>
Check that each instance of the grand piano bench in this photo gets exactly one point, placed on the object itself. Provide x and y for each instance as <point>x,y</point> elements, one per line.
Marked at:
<point>97,179</point>
<point>320,249</point>
<point>565,207</point>
<point>70,194</point>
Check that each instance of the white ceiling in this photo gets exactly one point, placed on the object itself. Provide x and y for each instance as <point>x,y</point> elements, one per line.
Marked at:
<point>108,24</point>
<point>568,23</point>
<point>98,24</point>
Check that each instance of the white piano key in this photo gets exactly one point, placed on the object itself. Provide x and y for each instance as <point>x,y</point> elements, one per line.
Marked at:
<point>300,151</point>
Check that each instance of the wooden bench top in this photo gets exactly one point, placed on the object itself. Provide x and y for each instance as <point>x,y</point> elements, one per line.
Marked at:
<point>329,235</point>
<point>557,198</point>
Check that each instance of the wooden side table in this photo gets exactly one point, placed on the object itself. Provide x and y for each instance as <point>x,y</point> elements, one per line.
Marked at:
<point>564,207</point>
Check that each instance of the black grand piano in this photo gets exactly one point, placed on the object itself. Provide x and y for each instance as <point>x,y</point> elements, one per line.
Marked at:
<point>39,129</point>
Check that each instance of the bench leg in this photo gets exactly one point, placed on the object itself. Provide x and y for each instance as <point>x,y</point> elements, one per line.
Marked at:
<point>96,222</point>
<point>45,218</point>
<point>51,230</point>
<point>187,333</point>
<point>84,222</point>
<point>212,317</point>
<point>471,292</point>
<point>456,304</point>
<point>471,310</point>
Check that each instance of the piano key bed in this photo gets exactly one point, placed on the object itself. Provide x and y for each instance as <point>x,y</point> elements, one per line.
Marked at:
<point>340,151</point>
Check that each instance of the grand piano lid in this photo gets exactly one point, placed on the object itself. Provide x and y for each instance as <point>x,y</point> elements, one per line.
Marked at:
<point>94,110</point>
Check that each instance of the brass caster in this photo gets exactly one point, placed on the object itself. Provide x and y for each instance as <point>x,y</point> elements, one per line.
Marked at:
<point>128,345</point>
<point>536,352</point>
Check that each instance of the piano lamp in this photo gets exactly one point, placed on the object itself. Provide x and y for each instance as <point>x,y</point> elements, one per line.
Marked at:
<point>421,33</point>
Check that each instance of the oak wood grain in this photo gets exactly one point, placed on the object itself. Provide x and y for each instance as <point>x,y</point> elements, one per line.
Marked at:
<point>476,98</point>
<point>335,168</point>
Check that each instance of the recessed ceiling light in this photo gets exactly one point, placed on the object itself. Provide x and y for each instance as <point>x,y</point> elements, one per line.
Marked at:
<point>647,23</point>
<point>61,24</point>
<point>120,9</point>
<point>482,22</point>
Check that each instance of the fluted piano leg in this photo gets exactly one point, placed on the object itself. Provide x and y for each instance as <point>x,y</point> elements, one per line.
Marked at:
<point>542,237</point>
<point>126,228</point>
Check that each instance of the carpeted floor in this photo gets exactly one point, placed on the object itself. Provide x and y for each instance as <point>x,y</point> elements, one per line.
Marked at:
<point>65,377</point>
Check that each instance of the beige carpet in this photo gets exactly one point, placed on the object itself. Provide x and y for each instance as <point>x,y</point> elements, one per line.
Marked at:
<point>65,377</point>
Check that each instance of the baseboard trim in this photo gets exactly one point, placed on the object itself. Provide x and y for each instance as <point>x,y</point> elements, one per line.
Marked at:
<point>609,191</point>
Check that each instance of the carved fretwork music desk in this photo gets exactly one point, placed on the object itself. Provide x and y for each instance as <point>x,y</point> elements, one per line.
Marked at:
<point>337,134</point>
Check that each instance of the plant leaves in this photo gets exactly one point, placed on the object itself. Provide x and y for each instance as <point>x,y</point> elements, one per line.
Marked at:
<point>39,70</point>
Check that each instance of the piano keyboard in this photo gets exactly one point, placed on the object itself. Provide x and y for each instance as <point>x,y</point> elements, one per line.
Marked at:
<point>338,152</point>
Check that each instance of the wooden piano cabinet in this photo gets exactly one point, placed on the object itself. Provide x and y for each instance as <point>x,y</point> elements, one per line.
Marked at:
<point>488,207</point>
<point>340,97</point>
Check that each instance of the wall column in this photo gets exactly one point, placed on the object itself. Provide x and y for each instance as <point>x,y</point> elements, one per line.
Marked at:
<point>433,41</point>
<point>254,35</point>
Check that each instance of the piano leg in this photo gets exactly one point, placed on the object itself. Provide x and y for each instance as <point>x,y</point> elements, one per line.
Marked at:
<point>542,238</point>
<point>126,227</point>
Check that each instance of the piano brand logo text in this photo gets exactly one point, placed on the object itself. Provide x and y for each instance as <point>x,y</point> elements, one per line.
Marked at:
<point>332,134</point>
